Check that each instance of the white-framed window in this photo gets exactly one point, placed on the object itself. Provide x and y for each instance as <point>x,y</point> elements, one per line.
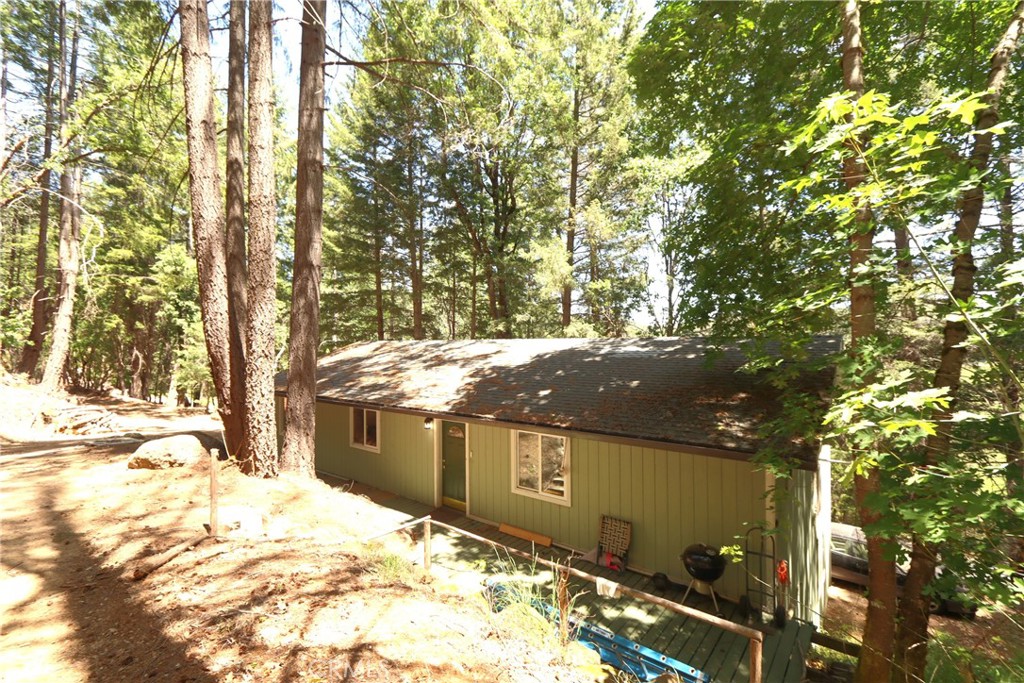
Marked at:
<point>540,466</point>
<point>366,429</point>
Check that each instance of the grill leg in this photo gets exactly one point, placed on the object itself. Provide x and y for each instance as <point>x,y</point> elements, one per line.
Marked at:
<point>688,588</point>
<point>711,587</point>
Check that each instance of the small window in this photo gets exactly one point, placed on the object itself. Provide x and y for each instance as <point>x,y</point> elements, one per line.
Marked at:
<point>540,466</point>
<point>364,429</point>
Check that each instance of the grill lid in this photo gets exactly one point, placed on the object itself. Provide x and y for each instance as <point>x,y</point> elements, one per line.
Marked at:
<point>703,562</point>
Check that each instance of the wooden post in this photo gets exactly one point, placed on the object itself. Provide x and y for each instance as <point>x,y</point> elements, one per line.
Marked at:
<point>426,544</point>
<point>563,605</point>
<point>214,466</point>
<point>755,660</point>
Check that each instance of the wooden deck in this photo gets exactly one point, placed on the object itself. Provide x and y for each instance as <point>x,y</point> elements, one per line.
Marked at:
<point>722,655</point>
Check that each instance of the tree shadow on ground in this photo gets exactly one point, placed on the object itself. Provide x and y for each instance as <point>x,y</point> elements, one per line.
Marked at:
<point>116,636</point>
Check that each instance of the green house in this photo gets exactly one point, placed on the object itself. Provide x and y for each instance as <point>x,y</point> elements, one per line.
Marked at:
<point>548,435</point>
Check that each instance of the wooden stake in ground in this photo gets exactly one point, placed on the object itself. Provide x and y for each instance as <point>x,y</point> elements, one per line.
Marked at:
<point>214,466</point>
<point>147,567</point>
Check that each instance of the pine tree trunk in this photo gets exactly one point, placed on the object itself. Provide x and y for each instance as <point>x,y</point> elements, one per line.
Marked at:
<point>473,302</point>
<point>300,421</point>
<point>876,654</point>
<point>905,268</point>
<point>3,94</point>
<point>34,345</point>
<point>237,271</point>
<point>1012,397</point>
<point>912,637</point>
<point>13,265</point>
<point>416,260</point>
<point>378,280</point>
<point>260,428</point>
<point>70,219</point>
<point>570,228</point>
<point>594,272</point>
<point>207,210</point>
<point>135,389</point>
<point>70,230</point>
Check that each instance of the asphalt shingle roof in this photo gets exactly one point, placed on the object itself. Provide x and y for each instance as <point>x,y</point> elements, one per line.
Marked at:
<point>653,389</point>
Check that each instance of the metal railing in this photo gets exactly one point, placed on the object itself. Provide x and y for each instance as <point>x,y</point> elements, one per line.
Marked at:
<point>755,637</point>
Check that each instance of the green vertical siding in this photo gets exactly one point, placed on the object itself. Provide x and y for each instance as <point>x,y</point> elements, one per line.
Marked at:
<point>804,503</point>
<point>279,415</point>
<point>404,465</point>
<point>672,499</point>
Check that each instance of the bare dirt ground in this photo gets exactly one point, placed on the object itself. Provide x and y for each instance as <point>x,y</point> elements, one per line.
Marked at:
<point>289,594</point>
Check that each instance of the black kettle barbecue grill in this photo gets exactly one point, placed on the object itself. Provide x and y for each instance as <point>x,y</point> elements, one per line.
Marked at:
<point>705,564</point>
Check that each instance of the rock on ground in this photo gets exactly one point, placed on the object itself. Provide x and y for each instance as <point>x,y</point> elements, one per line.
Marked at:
<point>183,450</point>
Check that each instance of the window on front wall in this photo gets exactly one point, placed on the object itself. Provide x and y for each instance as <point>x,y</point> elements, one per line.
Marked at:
<point>540,465</point>
<point>365,429</point>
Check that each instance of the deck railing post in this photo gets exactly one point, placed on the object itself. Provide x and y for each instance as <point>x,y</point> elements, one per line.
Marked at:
<point>426,545</point>
<point>755,660</point>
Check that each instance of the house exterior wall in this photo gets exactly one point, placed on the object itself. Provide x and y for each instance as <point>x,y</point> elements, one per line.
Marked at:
<point>805,504</point>
<point>672,499</point>
<point>404,465</point>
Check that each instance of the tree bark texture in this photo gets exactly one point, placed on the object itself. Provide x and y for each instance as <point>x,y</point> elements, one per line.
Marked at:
<point>207,210</point>
<point>570,227</point>
<point>876,655</point>
<point>70,231</point>
<point>905,268</point>
<point>34,346</point>
<point>912,638</point>
<point>3,96</point>
<point>237,271</point>
<point>260,420</point>
<point>70,218</point>
<point>378,280</point>
<point>300,421</point>
<point>415,246</point>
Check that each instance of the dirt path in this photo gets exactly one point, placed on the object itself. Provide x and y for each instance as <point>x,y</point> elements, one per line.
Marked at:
<point>72,613</point>
<point>288,594</point>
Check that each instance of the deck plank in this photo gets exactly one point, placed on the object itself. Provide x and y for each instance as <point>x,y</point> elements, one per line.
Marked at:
<point>780,651</point>
<point>718,660</point>
<point>797,665</point>
<point>706,647</point>
<point>736,663</point>
<point>691,652</point>
<point>679,647</point>
<point>660,633</point>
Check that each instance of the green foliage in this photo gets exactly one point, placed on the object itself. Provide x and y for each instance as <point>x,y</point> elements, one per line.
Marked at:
<point>387,567</point>
<point>960,501</point>
<point>732,80</point>
<point>952,661</point>
<point>451,172</point>
<point>754,228</point>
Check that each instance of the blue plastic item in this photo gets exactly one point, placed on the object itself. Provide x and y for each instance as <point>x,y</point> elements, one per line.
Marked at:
<point>643,662</point>
<point>622,653</point>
